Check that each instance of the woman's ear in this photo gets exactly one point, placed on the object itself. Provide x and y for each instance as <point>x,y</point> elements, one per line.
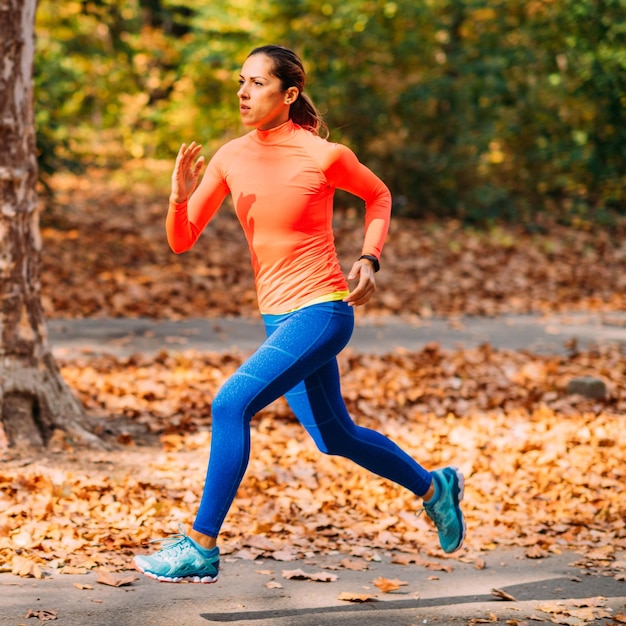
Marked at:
<point>291,95</point>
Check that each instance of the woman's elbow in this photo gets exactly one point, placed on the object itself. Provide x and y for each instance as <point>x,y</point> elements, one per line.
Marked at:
<point>178,247</point>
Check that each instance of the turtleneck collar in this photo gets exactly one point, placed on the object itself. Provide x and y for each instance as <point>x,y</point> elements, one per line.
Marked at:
<point>275,135</point>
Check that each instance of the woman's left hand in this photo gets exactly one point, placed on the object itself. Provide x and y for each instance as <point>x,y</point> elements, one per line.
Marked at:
<point>362,293</point>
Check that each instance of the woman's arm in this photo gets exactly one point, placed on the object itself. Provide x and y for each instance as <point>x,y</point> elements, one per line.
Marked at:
<point>191,209</point>
<point>348,173</point>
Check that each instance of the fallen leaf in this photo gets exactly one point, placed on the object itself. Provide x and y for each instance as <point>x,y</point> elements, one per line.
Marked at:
<point>106,578</point>
<point>403,559</point>
<point>502,595</point>
<point>387,585</point>
<point>298,574</point>
<point>355,597</point>
<point>272,584</point>
<point>536,553</point>
<point>43,615</point>
<point>25,567</point>
<point>247,555</point>
<point>285,555</point>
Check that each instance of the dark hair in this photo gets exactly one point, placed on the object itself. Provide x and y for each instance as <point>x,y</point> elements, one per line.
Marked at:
<point>288,68</point>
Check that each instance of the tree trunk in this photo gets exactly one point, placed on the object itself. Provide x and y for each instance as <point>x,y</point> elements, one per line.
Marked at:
<point>34,400</point>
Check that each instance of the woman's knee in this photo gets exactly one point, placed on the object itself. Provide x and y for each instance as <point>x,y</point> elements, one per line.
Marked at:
<point>333,444</point>
<point>227,404</point>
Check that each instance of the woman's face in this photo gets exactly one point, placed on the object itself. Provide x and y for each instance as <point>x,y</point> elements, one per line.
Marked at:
<point>262,103</point>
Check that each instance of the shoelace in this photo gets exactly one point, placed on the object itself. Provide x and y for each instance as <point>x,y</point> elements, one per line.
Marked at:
<point>173,541</point>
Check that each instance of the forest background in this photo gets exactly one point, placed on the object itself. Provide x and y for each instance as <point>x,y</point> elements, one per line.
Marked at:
<point>477,110</point>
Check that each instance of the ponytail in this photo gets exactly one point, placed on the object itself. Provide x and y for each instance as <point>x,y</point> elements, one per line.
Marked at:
<point>304,113</point>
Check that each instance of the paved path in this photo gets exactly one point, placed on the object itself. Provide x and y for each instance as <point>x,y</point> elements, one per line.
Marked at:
<point>242,597</point>
<point>547,335</point>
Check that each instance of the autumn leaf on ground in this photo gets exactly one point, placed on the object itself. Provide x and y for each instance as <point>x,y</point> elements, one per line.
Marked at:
<point>106,578</point>
<point>71,569</point>
<point>298,574</point>
<point>408,559</point>
<point>43,615</point>
<point>402,558</point>
<point>355,597</point>
<point>357,566</point>
<point>83,586</point>
<point>502,595</point>
<point>387,585</point>
<point>261,543</point>
<point>286,554</point>
<point>272,584</point>
<point>536,553</point>
<point>562,613</point>
<point>25,567</point>
<point>247,555</point>
<point>589,615</point>
<point>552,607</point>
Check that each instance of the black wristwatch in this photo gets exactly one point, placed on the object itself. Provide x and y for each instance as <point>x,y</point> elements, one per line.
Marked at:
<point>373,259</point>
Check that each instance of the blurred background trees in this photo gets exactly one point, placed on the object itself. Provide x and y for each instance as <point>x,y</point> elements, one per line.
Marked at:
<point>482,111</point>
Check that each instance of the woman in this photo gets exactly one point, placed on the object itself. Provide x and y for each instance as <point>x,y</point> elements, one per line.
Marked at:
<point>282,176</point>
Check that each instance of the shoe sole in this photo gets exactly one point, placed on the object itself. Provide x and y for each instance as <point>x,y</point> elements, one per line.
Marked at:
<point>461,484</point>
<point>203,580</point>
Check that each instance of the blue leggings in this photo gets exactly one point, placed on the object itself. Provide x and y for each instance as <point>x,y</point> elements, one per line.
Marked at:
<point>297,360</point>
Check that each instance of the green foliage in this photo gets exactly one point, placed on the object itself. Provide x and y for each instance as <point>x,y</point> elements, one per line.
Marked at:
<point>122,79</point>
<point>482,111</point>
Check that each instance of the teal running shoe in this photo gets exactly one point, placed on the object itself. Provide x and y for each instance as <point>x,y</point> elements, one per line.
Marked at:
<point>446,512</point>
<point>180,559</point>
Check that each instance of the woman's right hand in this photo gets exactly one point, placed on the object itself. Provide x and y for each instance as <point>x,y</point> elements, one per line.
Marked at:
<point>186,172</point>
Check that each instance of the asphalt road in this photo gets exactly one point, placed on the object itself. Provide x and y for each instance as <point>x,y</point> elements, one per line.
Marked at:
<point>539,334</point>
<point>538,589</point>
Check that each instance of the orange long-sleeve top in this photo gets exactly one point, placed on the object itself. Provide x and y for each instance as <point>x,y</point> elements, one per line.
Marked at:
<point>282,182</point>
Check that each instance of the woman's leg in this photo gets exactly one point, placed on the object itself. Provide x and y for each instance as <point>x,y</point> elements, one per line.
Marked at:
<point>297,345</point>
<point>319,406</point>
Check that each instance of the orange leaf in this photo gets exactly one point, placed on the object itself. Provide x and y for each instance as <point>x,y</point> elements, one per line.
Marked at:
<point>354,597</point>
<point>106,578</point>
<point>386,585</point>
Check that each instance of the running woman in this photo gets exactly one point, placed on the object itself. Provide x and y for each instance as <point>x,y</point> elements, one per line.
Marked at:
<point>282,176</point>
